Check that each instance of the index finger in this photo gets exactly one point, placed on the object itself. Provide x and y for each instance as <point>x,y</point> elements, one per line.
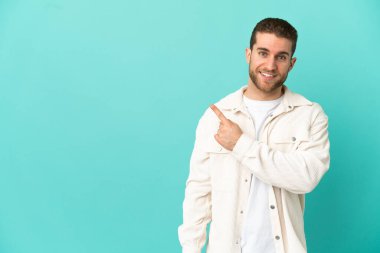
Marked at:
<point>218,113</point>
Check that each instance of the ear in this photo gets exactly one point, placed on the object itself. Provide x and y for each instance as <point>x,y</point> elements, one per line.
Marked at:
<point>292,62</point>
<point>248,53</point>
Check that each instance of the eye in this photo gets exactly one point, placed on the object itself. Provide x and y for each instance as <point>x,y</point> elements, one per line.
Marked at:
<point>282,57</point>
<point>262,53</point>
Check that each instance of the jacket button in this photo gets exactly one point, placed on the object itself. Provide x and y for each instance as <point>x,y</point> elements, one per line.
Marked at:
<point>241,212</point>
<point>246,180</point>
<point>277,237</point>
<point>294,139</point>
<point>272,207</point>
<point>290,107</point>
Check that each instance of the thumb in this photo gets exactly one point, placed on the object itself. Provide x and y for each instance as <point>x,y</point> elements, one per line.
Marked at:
<point>217,138</point>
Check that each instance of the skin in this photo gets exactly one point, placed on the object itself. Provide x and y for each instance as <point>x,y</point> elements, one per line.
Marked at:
<point>228,133</point>
<point>270,60</point>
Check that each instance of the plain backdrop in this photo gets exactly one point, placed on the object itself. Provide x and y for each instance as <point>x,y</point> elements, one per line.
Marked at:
<point>99,101</point>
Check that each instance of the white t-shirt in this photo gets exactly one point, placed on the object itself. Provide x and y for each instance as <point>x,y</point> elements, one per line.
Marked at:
<point>257,236</point>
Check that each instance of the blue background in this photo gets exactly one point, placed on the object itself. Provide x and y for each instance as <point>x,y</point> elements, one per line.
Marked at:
<point>99,101</point>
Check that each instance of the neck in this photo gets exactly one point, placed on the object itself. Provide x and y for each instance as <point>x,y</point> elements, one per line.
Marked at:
<point>252,92</point>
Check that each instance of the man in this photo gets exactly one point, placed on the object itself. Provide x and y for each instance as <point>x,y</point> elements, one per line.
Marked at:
<point>257,152</point>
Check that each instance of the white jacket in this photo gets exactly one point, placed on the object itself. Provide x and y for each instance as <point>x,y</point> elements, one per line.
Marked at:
<point>292,155</point>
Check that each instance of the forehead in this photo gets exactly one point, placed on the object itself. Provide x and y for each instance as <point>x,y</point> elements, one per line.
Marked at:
<point>272,43</point>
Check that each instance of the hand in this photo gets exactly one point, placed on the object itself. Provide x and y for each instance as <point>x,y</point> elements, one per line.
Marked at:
<point>228,133</point>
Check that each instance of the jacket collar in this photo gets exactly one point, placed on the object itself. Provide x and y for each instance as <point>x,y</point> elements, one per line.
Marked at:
<point>234,101</point>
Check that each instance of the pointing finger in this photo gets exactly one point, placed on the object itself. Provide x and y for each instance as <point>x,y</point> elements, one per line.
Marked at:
<point>218,113</point>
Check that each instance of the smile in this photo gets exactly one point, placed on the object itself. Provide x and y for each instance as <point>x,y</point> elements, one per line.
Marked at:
<point>267,74</point>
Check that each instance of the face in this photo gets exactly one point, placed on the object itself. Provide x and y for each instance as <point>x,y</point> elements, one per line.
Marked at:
<point>270,61</point>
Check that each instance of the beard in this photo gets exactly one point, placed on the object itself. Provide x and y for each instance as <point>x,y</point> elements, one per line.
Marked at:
<point>266,87</point>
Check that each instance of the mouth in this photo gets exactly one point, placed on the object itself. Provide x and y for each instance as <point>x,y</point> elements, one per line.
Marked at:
<point>267,75</point>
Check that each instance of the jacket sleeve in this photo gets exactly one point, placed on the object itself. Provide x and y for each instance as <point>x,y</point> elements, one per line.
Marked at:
<point>298,171</point>
<point>197,202</point>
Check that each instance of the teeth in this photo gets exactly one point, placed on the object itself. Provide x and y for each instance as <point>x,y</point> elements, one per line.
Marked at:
<point>267,75</point>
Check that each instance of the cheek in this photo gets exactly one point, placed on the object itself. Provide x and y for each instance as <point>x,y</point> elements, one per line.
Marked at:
<point>254,64</point>
<point>284,69</point>
<point>258,62</point>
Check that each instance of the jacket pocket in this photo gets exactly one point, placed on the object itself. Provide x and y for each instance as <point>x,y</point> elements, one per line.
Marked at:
<point>222,166</point>
<point>289,142</point>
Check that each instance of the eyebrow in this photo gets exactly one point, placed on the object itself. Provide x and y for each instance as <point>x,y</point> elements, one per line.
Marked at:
<point>266,50</point>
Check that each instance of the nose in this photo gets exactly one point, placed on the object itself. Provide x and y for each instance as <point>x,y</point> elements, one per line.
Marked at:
<point>271,64</point>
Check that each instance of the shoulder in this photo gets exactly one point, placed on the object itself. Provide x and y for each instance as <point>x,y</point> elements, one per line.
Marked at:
<point>301,102</point>
<point>209,122</point>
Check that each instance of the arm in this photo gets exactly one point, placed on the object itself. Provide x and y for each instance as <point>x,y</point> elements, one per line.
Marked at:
<point>299,171</point>
<point>197,202</point>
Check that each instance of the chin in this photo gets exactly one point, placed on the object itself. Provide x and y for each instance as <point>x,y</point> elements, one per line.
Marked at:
<point>268,88</point>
